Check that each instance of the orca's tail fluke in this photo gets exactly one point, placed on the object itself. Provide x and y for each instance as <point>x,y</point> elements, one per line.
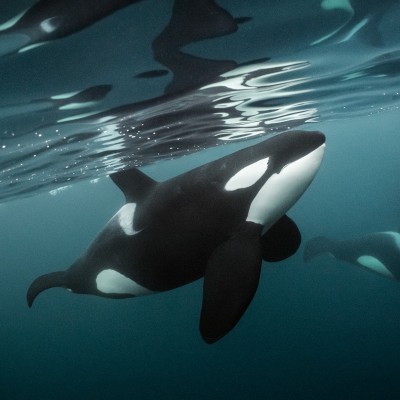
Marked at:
<point>317,246</point>
<point>44,282</point>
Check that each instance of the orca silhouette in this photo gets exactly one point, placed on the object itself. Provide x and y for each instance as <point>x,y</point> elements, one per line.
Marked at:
<point>378,252</point>
<point>48,20</point>
<point>218,221</point>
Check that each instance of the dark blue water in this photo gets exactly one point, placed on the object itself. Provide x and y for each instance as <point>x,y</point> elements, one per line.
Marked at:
<point>322,330</point>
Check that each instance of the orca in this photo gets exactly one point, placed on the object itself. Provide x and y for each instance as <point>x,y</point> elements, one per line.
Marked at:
<point>219,221</point>
<point>378,252</point>
<point>48,20</point>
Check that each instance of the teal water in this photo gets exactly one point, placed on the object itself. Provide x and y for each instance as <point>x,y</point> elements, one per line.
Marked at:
<point>323,330</point>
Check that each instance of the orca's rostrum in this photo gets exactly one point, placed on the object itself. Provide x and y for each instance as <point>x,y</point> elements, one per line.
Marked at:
<point>219,221</point>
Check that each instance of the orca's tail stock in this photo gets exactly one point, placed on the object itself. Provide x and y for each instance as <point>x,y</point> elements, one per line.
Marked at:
<point>317,246</point>
<point>44,282</point>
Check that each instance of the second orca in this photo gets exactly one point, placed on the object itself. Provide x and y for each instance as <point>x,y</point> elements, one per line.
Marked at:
<point>48,20</point>
<point>219,221</point>
<point>377,252</point>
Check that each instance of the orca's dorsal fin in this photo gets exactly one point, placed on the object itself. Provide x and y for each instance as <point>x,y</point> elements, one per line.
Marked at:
<point>134,184</point>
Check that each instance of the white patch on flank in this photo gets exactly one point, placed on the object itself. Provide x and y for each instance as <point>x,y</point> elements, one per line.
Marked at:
<point>112,282</point>
<point>282,190</point>
<point>49,25</point>
<point>374,264</point>
<point>248,176</point>
<point>125,218</point>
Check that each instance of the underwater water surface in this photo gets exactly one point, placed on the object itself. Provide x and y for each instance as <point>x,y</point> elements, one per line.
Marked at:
<point>168,86</point>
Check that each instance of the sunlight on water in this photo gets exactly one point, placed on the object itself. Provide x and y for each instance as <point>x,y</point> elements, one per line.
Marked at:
<point>61,131</point>
<point>89,87</point>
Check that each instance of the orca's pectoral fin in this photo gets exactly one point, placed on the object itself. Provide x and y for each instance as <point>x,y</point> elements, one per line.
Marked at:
<point>281,241</point>
<point>134,184</point>
<point>54,279</point>
<point>230,282</point>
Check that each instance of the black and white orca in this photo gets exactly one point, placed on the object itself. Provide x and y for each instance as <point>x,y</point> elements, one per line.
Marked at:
<point>378,252</point>
<point>218,221</point>
<point>49,20</point>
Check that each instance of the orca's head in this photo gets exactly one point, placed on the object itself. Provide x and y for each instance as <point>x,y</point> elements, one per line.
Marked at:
<point>281,169</point>
<point>291,146</point>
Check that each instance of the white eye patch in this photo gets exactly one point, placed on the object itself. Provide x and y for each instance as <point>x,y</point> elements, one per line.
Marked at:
<point>282,190</point>
<point>248,176</point>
